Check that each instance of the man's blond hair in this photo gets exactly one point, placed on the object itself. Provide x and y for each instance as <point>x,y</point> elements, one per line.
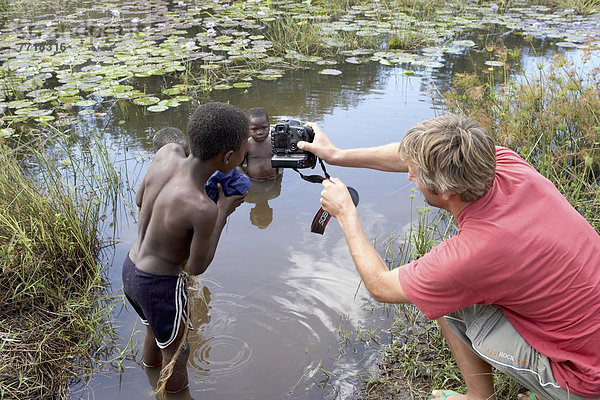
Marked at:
<point>451,154</point>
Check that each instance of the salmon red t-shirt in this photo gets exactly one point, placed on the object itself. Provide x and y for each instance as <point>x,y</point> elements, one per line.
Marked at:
<point>525,249</point>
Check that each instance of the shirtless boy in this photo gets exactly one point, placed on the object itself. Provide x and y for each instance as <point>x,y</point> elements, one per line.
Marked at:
<point>257,161</point>
<point>170,135</point>
<point>178,223</point>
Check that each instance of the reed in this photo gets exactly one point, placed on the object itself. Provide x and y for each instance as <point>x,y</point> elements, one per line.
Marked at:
<point>55,313</point>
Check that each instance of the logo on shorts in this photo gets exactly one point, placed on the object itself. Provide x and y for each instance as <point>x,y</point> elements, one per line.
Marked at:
<point>509,357</point>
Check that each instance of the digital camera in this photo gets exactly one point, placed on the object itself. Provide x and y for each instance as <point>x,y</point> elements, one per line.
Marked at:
<point>284,141</point>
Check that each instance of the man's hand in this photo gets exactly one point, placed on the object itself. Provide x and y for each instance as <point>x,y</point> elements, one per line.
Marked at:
<point>228,204</point>
<point>335,198</point>
<point>321,146</point>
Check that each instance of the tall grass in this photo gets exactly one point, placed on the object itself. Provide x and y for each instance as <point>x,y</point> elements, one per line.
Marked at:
<point>55,317</point>
<point>552,120</point>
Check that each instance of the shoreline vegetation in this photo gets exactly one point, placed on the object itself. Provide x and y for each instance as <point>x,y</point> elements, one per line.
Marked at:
<point>56,312</point>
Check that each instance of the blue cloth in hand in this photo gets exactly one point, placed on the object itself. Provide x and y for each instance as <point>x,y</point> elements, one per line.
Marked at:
<point>233,183</point>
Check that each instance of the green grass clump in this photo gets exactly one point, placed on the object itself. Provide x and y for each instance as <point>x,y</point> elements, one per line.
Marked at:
<point>551,120</point>
<point>54,317</point>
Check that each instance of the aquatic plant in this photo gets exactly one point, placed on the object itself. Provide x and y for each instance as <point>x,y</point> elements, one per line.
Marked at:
<point>552,120</point>
<point>55,314</point>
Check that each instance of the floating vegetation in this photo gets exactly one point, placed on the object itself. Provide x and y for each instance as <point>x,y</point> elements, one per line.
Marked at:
<point>89,55</point>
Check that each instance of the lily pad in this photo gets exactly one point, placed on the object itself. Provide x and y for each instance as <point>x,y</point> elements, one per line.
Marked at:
<point>146,101</point>
<point>158,108</point>
<point>7,132</point>
<point>242,84</point>
<point>494,63</point>
<point>85,103</point>
<point>329,71</point>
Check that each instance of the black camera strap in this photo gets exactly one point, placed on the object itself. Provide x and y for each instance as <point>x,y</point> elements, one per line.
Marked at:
<point>322,217</point>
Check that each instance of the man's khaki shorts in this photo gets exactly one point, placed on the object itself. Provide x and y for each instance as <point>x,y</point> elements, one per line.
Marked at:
<point>486,330</point>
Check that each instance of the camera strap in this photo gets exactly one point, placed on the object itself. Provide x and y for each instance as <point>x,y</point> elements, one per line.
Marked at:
<point>322,217</point>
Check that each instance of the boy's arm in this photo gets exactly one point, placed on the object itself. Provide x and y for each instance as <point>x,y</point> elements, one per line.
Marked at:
<point>207,231</point>
<point>382,158</point>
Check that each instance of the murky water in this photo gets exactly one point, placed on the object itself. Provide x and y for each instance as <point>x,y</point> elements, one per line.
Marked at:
<point>286,315</point>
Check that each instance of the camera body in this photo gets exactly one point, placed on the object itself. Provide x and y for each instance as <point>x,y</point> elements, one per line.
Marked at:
<point>284,142</point>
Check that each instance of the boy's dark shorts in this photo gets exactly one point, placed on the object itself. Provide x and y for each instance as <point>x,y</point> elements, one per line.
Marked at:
<point>487,331</point>
<point>159,300</point>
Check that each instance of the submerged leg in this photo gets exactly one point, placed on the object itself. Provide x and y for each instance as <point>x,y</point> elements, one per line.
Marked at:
<point>152,356</point>
<point>178,380</point>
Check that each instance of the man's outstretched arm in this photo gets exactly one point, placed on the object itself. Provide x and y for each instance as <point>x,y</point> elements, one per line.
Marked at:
<point>382,158</point>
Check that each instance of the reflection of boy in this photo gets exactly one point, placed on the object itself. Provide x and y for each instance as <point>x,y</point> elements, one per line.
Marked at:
<point>257,162</point>
<point>260,193</point>
<point>170,135</point>
<point>178,223</point>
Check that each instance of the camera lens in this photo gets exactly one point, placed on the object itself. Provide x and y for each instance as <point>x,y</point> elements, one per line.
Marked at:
<point>293,146</point>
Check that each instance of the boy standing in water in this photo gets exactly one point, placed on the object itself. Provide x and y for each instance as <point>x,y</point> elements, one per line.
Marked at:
<point>257,161</point>
<point>170,135</point>
<point>178,223</point>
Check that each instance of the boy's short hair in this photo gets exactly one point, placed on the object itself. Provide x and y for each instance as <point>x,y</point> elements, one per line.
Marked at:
<point>257,112</point>
<point>451,154</point>
<point>215,127</point>
<point>169,135</point>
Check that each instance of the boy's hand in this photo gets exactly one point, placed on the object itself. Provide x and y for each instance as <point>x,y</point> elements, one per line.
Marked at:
<point>321,146</point>
<point>228,204</point>
<point>335,198</point>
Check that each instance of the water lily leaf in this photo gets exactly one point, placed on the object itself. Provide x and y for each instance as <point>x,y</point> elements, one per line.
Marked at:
<point>45,98</point>
<point>329,71</point>
<point>494,63</point>
<point>7,132</point>
<point>242,84</point>
<point>223,86</point>
<point>16,104</point>
<point>146,101</point>
<point>25,111</point>
<point>182,98</point>
<point>158,108</point>
<point>45,118</point>
<point>87,112</point>
<point>85,103</point>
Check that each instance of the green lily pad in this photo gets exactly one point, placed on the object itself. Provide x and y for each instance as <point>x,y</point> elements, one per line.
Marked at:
<point>242,84</point>
<point>85,103</point>
<point>45,118</point>
<point>494,63</point>
<point>146,101</point>
<point>222,86</point>
<point>158,108</point>
<point>329,71</point>
<point>7,132</point>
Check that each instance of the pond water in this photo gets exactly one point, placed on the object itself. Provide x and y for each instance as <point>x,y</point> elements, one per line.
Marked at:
<point>286,314</point>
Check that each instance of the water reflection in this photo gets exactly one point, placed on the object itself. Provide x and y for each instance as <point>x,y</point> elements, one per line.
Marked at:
<point>261,215</point>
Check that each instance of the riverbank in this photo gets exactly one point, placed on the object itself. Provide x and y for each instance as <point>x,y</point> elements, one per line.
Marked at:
<point>55,312</point>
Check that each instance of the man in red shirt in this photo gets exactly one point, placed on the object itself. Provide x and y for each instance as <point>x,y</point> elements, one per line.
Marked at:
<point>517,288</point>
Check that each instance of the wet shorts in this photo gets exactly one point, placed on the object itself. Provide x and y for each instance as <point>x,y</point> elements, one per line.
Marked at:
<point>159,300</point>
<point>487,331</point>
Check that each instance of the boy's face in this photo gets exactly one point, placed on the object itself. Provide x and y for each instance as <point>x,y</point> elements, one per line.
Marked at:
<point>259,128</point>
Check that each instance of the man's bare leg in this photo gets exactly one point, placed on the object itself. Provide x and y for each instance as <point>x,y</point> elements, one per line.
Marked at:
<point>476,372</point>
